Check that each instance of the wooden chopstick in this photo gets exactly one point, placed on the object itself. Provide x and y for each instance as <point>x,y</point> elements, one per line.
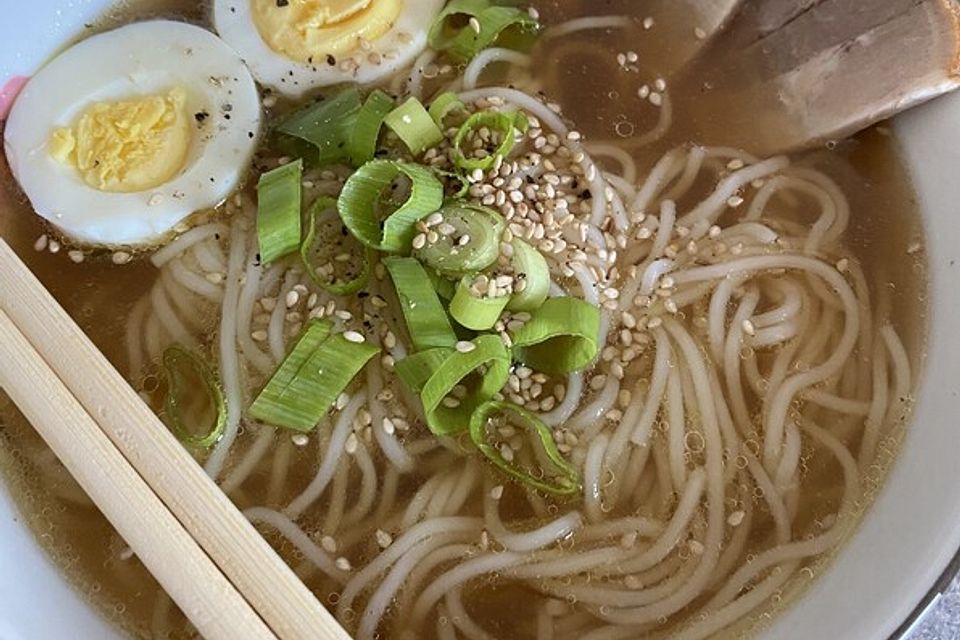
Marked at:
<point>159,540</point>
<point>234,545</point>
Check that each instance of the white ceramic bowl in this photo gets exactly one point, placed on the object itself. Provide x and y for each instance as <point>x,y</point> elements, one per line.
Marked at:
<point>883,577</point>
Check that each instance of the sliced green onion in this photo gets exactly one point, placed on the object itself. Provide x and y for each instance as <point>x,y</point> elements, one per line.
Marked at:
<point>412,124</point>
<point>183,369</point>
<point>427,322</point>
<point>530,268</point>
<point>328,126</point>
<point>332,258</point>
<point>278,211</point>
<point>415,370</point>
<point>388,226</point>
<point>493,21</point>
<point>561,337</point>
<point>558,477</point>
<point>366,131</point>
<point>444,287</point>
<point>443,105</point>
<point>464,381</point>
<point>309,380</point>
<point>467,240</point>
<point>474,309</point>
<point>508,125</point>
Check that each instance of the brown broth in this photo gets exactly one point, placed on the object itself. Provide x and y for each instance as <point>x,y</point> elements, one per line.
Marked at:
<point>99,295</point>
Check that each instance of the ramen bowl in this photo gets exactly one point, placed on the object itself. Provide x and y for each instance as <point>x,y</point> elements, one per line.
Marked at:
<point>880,581</point>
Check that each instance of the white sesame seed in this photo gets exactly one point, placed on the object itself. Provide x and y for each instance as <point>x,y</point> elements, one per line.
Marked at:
<point>419,241</point>
<point>465,347</point>
<point>497,492</point>
<point>388,426</point>
<point>328,544</point>
<point>736,518</point>
<point>351,445</point>
<point>76,256</point>
<point>292,299</point>
<point>120,257</point>
<point>699,33</point>
<point>353,336</point>
<point>259,336</point>
<point>475,24</point>
<point>748,328</point>
<point>451,402</point>
<point>343,564</point>
<point>300,439</point>
<point>41,243</point>
<point>384,539</point>
<point>734,201</point>
<point>648,23</point>
<point>656,99</point>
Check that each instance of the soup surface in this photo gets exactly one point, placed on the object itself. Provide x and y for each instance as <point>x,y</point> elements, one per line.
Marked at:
<point>697,518</point>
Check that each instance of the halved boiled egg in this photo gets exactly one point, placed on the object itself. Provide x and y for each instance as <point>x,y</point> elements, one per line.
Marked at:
<point>294,46</point>
<point>126,134</point>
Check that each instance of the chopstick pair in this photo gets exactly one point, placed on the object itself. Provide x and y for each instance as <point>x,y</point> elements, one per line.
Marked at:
<point>221,573</point>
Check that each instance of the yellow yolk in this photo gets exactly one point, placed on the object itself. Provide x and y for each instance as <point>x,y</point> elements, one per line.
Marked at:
<point>130,145</point>
<point>309,30</point>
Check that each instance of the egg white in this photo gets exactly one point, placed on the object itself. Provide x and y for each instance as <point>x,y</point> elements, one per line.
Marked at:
<point>397,49</point>
<point>146,58</point>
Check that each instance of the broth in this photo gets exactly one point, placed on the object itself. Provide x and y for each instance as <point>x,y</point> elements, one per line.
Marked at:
<point>884,235</point>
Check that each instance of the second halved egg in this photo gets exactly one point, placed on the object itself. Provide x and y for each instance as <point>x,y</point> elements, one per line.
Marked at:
<point>295,46</point>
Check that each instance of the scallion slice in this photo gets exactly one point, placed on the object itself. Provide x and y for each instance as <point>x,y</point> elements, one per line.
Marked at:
<point>328,126</point>
<point>443,105</point>
<point>560,337</point>
<point>555,476</point>
<point>529,268</point>
<point>426,319</point>
<point>380,222</point>
<point>464,381</point>
<point>444,287</point>
<point>332,258</point>
<point>412,124</point>
<point>467,240</point>
<point>475,309</point>
<point>465,42</point>
<point>278,211</point>
<point>185,372</point>
<point>508,125</point>
<point>416,369</point>
<point>366,131</point>
<point>316,371</point>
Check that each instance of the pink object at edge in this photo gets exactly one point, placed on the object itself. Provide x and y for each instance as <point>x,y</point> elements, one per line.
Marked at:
<point>9,93</point>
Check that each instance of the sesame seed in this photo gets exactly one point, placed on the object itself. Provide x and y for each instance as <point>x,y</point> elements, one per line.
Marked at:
<point>734,201</point>
<point>329,544</point>
<point>843,264</point>
<point>76,256</point>
<point>389,427</point>
<point>259,336</point>
<point>699,33</point>
<point>351,444</point>
<point>736,518</point>
<point>648,23</point>
<point>419,241</point>
<point>343,564</point>
<point>384,539</point>
<point>118,258</point>
<point>465,346</point>
<point>475,24</point>
<point>292,299</point>
<point>300,439</point>
<point>353,336</point>
<point>41,243</point>
<point>748,328</point>
<point>497,492</point>
<point>451,402</point>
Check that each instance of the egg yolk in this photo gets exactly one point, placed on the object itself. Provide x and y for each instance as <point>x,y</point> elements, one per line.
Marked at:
<point>130,145</point>
<point>309,30</point>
